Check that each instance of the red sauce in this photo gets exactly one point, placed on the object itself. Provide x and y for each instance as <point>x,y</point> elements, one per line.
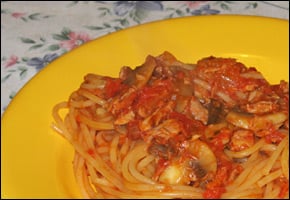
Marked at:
<point>221,76</point>
<point>113,87</point>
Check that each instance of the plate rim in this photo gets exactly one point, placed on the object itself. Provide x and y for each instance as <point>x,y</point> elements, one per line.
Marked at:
<point>10,106</point>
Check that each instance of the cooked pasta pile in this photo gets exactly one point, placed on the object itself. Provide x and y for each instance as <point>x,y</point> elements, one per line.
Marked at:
<point>167,129</point>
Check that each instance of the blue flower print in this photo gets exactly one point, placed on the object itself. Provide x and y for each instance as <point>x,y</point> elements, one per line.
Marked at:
<point>149,5</point>
<point>205,10</point>
<point>39,63</point>
<point>124,7</point>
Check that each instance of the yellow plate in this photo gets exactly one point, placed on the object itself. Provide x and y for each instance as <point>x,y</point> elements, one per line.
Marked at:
<point>36,162</point>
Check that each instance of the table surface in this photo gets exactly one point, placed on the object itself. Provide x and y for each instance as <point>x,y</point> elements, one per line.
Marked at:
<point>34,33</point>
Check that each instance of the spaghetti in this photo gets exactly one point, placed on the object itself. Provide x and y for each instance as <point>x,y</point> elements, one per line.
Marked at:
<point>166,129</point>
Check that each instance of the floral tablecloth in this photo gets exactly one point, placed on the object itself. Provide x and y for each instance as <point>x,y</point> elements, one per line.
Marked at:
<point>34,33</point>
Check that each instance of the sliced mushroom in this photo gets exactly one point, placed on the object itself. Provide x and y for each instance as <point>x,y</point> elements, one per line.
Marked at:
<point>204,155</point>
<point>256,122</point>
<point>215,109</point>
<point>140,75</point>
<point>191,168</point>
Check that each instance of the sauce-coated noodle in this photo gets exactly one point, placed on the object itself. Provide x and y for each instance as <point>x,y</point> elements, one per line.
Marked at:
<point>166,129</point>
